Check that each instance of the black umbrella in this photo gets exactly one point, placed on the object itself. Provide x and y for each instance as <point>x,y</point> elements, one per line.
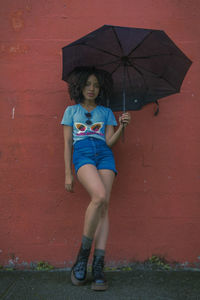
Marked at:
<point>145,64</point>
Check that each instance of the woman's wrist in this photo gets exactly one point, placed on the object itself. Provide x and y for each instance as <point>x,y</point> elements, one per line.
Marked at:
<point>68,173</point>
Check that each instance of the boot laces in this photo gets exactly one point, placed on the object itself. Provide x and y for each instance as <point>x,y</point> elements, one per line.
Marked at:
<point>81,265</point>
<point>82,260</point>
<point>98,267</point>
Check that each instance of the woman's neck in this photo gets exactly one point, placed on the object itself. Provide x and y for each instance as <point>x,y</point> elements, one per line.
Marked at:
<point>88,104</point>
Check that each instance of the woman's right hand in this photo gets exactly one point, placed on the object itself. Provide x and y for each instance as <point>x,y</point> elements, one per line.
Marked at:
<point>69,180</point>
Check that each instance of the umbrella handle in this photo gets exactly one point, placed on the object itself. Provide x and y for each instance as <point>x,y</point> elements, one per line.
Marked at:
<point>123,136</point>
<point>123,133</point>
<point>124,89</point>
<point>124,98</point>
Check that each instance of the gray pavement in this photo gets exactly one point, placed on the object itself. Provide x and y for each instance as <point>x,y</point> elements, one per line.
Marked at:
<point>134,285</point>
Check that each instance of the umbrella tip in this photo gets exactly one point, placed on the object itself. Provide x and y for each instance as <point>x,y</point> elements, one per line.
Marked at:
<point>157,108</point>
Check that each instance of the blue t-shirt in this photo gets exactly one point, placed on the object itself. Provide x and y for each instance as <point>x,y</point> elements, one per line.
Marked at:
<point>76,116</point>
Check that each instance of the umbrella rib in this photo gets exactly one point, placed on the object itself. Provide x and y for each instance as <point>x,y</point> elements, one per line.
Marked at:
<point>140,43</point>
<point>109,63</point>
<point>116,68</point>
<point>133,65</point>
<point>101,50</point>
<point>129,77</point>
<point>154,55</point>
<point>150,56</point>
<point>140,73</point>
<point>117,38</point>
<point>171,85</point>
<point>153,73</point>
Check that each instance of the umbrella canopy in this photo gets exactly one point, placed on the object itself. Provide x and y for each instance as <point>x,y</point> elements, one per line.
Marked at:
<point>145,64</point>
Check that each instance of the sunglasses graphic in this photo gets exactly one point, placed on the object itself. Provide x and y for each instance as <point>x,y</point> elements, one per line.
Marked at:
<point>89,116</point>
<point>94,127</point>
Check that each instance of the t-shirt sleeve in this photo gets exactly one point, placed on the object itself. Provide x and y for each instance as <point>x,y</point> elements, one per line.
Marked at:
<point>111,118</point>
<point>67,117</point>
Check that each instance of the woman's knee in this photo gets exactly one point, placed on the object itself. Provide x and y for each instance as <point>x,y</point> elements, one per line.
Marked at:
<point>104,209</point>
<point>100,199</point>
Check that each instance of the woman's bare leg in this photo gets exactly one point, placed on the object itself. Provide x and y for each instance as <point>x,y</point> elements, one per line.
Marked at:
<point>101,234</point>
<point>90,178</point>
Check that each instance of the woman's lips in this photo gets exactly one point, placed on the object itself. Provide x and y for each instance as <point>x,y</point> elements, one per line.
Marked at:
<point>90,94</point>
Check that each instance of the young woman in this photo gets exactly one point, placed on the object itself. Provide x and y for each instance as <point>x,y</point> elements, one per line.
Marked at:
<point>89,128</point>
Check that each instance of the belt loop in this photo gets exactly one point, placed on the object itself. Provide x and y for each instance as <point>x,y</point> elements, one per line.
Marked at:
<point>93,145</point>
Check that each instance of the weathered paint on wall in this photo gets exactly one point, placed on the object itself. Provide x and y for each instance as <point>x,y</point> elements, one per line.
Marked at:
<point>155,201</point>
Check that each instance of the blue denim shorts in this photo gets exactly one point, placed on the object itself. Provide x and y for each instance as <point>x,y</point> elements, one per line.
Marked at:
<point>93,151</point>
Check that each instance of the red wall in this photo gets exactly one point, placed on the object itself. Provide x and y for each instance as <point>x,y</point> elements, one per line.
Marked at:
<point>155,204</point>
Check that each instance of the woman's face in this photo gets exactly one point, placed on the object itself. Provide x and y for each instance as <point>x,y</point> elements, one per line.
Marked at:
<point>91,89</point>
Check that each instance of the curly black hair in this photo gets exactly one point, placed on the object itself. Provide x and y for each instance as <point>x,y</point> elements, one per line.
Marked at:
<point>77,80</point>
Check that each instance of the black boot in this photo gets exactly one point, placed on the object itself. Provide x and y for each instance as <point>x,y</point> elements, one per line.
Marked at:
<point>99,282</point>
<point>79,269</point>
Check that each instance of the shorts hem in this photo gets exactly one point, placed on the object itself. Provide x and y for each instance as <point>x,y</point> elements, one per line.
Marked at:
<point>103,168</point>
<point>83,164</point>
<point>106,168</point>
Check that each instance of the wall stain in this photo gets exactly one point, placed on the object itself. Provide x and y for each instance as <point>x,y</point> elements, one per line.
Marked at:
<point>14,49</point>
<point>28,7</point>
<point>2,48</point>
<point>17,20</point>
<point>22,49</point>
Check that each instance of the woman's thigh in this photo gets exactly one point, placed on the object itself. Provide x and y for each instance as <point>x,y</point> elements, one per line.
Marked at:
<point>89,177</point>
<point>107,177</point>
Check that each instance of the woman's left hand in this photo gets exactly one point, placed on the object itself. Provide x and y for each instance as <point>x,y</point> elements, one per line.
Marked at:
<point>125,119</point>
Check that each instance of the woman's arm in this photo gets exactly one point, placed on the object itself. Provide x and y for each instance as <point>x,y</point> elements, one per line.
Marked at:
<point>68,157</point>
<point>113,136</point>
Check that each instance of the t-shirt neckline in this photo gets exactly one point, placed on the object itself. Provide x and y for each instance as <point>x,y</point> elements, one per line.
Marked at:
<point>86,109</point>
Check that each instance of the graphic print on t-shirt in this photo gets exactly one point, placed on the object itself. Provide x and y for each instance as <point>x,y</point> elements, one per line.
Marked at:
<point>85,129</point>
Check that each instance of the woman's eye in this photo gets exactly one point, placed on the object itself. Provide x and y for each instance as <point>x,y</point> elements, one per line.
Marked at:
<point>96,86</point>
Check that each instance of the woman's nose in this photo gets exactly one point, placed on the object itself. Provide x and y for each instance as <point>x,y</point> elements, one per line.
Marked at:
<point>91,88</point>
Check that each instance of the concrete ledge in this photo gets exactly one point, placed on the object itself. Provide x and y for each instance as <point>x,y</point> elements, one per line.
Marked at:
<point>134,285</point>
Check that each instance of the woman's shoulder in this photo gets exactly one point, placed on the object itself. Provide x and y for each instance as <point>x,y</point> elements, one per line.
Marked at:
<point>72,108</point>
<point>104,108</point>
